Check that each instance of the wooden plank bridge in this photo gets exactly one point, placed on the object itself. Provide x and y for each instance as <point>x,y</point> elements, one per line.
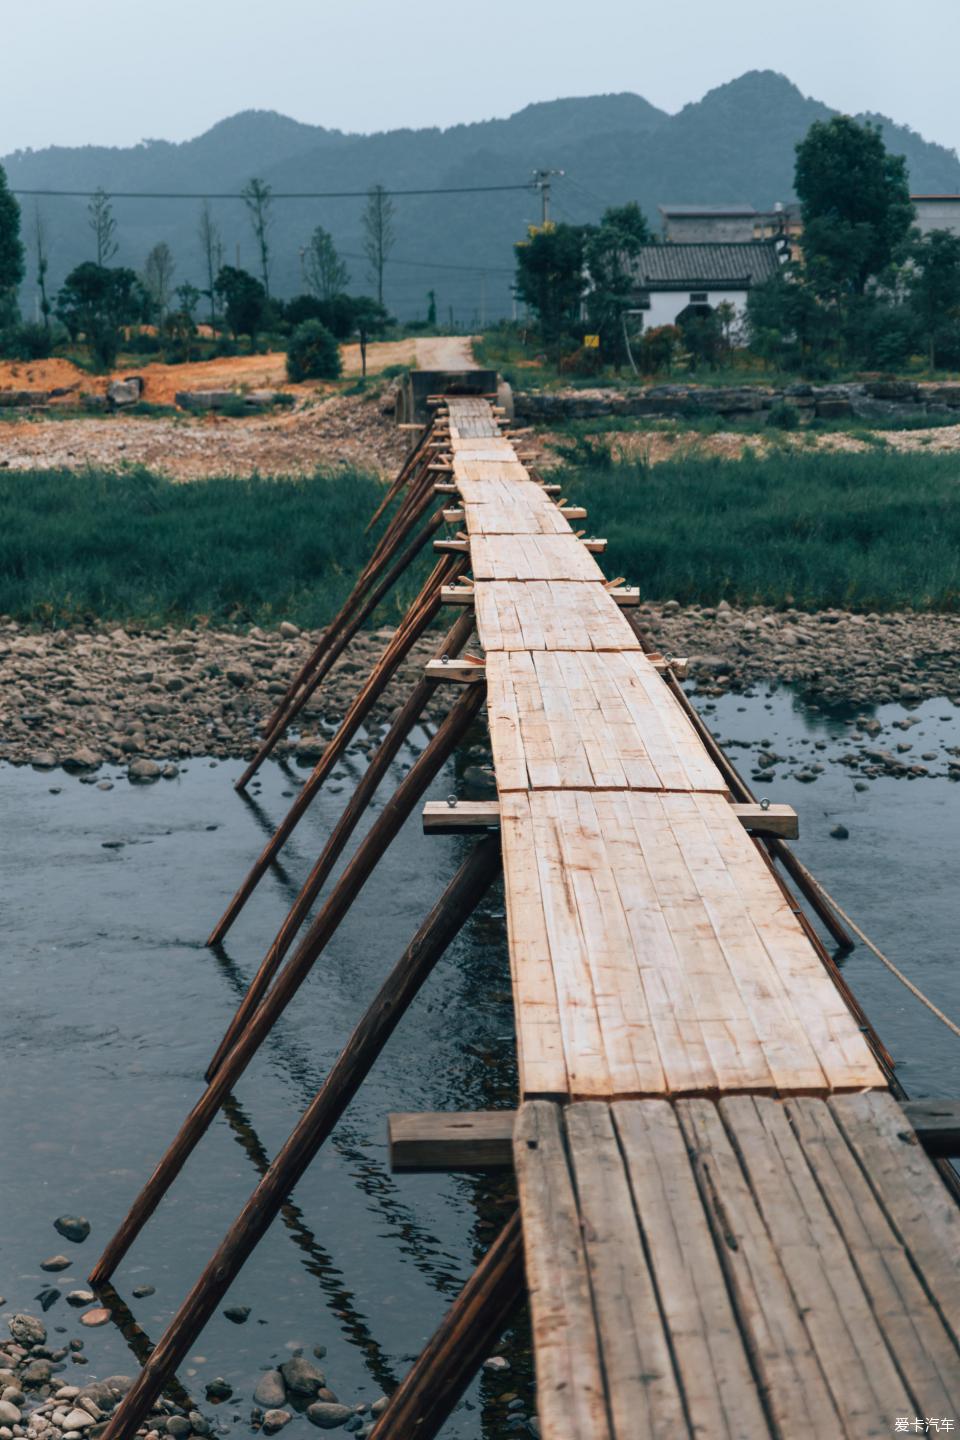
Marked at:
<point>728,1225</point>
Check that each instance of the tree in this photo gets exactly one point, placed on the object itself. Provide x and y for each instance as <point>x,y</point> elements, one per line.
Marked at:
<point>786,321</point>
<point>104,227</point>
<point>211,244</point>
<point>313,353</point>
<point>432,309</point>
<point>609,250</point>
<point>550,277</point>
<point>96,302</point>
<point>158,278</point>
<point>933,286</point>
<point>257,198</point>
<point>369,316</point>
<point>379,234</point>
<point>325,272</point>
<point>40,249</point>
<point>244,300</point>
<point>856,205</point>
<point>11,251</point>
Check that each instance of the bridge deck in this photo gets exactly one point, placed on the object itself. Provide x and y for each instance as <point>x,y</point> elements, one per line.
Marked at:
<point>652,952</point>
<point>750,1269</point>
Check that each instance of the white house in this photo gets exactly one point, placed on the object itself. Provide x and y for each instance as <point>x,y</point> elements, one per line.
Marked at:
<point>671,279</point>
<point>937,212</point>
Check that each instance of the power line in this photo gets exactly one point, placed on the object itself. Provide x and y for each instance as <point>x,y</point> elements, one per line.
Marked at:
<point>274,195</point>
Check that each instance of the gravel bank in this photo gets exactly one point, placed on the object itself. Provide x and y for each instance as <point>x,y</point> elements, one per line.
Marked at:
<point>79,698</point>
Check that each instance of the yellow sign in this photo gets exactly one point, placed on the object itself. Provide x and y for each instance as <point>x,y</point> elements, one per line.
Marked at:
<point>591,342</point>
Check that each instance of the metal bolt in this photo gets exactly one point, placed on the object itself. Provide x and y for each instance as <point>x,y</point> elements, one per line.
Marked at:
<point>764,804</point>
<point>452,801</point>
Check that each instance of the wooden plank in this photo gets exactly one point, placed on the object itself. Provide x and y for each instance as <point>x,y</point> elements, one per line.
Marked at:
<point>937,1124</point>
<point>719,1388</point>
<point>797,1396</point>
<point>852,1352</point>
<point>925,1352</point>
<point>770,819</point>
<point>642,1392</point>
<point>551,615</point>
<point>571,1402</point>
<point>921,1210</point>
<point>451,1140</point>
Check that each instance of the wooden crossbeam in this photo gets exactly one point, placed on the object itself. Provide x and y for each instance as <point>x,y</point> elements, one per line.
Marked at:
<point>453,517</point>
<point>454,816</point>
<point>451,1140</point>
<point>483,1139</point>
<point>444,487</point>
<point>463,671</point>
<point>456,595</point>
<point>452,547</point>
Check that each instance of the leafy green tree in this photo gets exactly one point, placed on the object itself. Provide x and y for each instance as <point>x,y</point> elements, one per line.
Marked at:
<point>101,222</point>
<point>313,353</point>
<point>95,302</point>
<point>856,204</point>
<point>368,317</point>
<point>609,250</point>
<point>550,277</point>
<point>325,272</point>
<point>43,265</point>
<point>933,287</point>
<point>11,252</point>
<point>787,323</point>
<point>244,301</point>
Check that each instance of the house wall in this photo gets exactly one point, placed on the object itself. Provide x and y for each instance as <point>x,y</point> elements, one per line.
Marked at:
<point>706,229</point>
<point>665,305</point>
<point>940,213</point>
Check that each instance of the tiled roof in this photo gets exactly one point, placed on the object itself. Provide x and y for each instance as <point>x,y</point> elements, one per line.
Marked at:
<point>705,266</point>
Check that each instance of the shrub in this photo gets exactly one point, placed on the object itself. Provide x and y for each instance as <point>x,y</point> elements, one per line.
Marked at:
<point>313,353</point>
<point>784,416</point>
<point>27,342</point>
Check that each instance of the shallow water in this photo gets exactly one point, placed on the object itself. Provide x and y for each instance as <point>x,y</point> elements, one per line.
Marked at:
<point>112,1008</point>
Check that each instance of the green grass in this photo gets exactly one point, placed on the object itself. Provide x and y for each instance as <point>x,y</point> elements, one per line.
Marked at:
<point>138,549</point>
<point>877,531</point>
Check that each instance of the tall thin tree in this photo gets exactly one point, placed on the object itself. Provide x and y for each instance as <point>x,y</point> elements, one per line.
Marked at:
<point>104,226</point>
<point>43,263</point>
<point>158,278</point>
<point>324,271</point>
<point>257,198</point>
<point>379,234</point>
<point>211,244</point>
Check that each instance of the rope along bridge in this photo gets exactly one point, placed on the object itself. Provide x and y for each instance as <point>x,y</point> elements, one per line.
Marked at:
<point>728,1223</point>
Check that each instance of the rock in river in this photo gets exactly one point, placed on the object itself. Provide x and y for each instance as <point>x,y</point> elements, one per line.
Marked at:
<point>328,1417</point>
<point>72,1227</point>
<point>27,1329</point>
<point>270,1391</point>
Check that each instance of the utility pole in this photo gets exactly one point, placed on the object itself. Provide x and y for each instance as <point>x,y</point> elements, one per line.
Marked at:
<point>541,182</point>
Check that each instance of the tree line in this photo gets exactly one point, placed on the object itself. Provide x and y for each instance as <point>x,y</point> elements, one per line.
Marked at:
<point>100,303</point>
<point>867,288</point>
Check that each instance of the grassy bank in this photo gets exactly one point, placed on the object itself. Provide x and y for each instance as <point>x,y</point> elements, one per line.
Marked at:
<point>876,531</point>
<point>137,548</point>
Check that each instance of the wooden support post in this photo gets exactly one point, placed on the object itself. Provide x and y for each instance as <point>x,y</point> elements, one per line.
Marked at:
<point>451,1140</point>
<point>418,620</point>
<point>353,1065</point>
<point>378,766</point>
<point>337,648</point>
<point>454,817</point>
<point>452,547</point>
<point>453,517</point>
<point>425,1398</point>
<point>354,877</point>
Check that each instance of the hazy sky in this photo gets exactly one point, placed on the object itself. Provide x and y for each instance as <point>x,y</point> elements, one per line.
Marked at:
<point>116,71</point>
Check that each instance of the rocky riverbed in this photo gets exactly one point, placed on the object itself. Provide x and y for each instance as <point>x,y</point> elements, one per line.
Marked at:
<point>82,698</point>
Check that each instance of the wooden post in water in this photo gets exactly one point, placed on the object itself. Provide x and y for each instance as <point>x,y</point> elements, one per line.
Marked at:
<point>353,1065</point>
<point>337,648</point>
<point>410,631</point>
<point>425,1398</point>
<point>358,871</point>
<point>379,764</point>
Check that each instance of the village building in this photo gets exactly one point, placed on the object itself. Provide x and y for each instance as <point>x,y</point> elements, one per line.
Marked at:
<point>708,224</point>
<point>672,280</point>
<point>937,212</point>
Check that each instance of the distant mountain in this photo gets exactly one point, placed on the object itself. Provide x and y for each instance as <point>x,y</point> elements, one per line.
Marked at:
<point>734,145</point>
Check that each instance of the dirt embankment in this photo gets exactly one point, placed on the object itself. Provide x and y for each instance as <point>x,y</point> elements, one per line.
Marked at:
<point>333,431</point>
